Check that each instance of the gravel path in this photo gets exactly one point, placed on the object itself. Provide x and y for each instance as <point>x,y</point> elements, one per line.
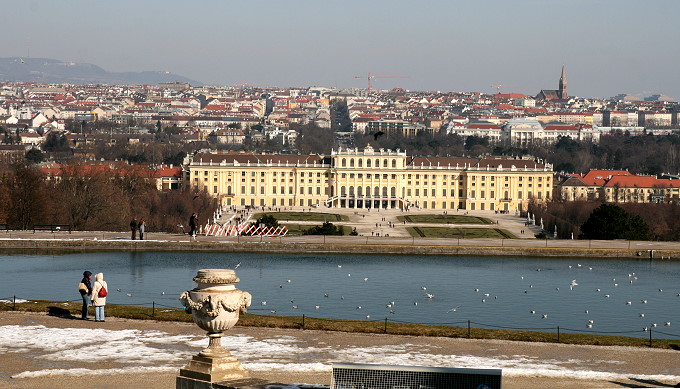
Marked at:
<point>40,343</point>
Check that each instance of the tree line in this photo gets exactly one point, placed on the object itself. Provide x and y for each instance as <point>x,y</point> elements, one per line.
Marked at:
<point>95,200</point>
<point>597,220</point>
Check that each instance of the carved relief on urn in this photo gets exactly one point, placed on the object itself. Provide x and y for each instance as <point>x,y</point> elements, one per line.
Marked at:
<point>215,305</point>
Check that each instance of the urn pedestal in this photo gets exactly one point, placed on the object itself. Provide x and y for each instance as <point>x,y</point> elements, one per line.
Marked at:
<point>215,305</point>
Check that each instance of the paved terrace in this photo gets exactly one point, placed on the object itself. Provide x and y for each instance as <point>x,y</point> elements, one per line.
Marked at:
<point>368,224</point>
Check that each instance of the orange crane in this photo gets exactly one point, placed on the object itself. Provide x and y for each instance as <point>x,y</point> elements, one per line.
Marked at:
<point>371,77</point>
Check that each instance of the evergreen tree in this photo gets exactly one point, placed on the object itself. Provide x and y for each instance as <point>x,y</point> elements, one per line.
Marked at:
<point>609,221</point>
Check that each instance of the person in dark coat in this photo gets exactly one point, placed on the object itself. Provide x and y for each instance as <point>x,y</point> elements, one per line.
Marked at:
<point>193,223</point>
<point>86,293</point>
<point>133,228</point>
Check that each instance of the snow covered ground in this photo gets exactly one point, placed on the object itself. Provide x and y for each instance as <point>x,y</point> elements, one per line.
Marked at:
<point>147,351</point>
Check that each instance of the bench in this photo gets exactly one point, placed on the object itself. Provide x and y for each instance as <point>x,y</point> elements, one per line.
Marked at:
<point>51,227</point>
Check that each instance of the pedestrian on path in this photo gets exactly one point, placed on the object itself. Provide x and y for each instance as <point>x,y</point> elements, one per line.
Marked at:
<point>85,289</point>
<point>100,290</point>
<point>193,223</point>
<point>133,227</point>
<point>141,227</point>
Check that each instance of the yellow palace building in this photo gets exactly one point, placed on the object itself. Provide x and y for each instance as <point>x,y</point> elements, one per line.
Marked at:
<point>369,178</point>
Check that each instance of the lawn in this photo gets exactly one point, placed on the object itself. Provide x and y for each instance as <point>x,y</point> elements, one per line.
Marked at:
<point>298,229</point>
<point>305,216</point>
<point>462,233</point>
<point>445,219</point>
<point>72,310</point>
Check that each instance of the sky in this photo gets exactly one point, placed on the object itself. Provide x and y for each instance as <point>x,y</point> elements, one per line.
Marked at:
<point>608,46</point>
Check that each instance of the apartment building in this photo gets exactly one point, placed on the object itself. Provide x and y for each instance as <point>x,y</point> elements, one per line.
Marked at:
<point>369,178</point>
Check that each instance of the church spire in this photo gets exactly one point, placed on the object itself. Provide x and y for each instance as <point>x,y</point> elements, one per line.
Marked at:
<point>563,85</point>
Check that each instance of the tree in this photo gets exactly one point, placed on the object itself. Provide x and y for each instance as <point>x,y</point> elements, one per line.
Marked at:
<point>34,156</point>
<point>609,221</point>
<point>268,220</point>
<point>327,228</point>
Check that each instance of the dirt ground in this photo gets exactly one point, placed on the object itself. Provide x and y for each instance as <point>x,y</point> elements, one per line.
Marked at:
<point>631,363</point>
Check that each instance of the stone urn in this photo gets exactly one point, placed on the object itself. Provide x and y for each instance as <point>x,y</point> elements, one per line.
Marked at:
<point>215,305</point>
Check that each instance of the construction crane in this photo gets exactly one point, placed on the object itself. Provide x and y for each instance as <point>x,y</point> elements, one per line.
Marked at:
<point>498,87</point>
<point>371,77</point>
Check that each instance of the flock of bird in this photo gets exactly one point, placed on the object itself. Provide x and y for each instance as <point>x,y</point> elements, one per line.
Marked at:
<point>426,295</point>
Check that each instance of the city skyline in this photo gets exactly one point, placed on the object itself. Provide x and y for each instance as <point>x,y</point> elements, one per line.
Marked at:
<point>608,47</point>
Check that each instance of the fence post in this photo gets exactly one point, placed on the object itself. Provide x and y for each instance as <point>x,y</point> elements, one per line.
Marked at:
<point>650,337</point>
<point>303,321</point>
<point>153,309</point>
<point>14,303</point>
<point>558,334</point>
<point>468,328</point>
<point>385,325</point>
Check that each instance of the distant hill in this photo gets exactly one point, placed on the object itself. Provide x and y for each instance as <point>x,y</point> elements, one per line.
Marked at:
<point>45,70</point>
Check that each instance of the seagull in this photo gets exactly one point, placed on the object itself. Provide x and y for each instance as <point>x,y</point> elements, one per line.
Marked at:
<point>280,286</point>
<point>129,294</point>
<point>162,293</point>
<point>339,266</point>
<point>358,306</point>
<point>598,289</point>
<point>118,290</point>
<point>486,294</point>
<point>454,309</point>
<point>365,279</point>
<point>629,302</point>
<point>476,290</point>
<point>483,300</point>
<point>644,301</point>
<point>391,312</point>
<point>590,322</point>
<point>590,268</point>
<point>292,302</point>
<point>342,297</point>
<point>587,311</point>
<point>288,281</point>
<point>532,312</point>
<point>263,303</point>
<point>423,288</point>
<point>615,285</point>
<point>388,306</point>
<point>295,307</point>
<point>317,307</point>
<point>589,325</point>
<point>368,316</point>
<point>272,311</point>
<point>429,295</point>
<point>415,303</point>
<point>660,290</point>
<point>544,316</point>
<point>606,296</point>
<point>667,324</point>
<point>237,265</point>
<point>325,295</point>
<point>349,275</point>
<point>642,315</point>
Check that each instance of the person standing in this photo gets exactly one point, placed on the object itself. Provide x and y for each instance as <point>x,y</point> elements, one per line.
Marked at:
<point>193,223</point>
<point>85,289</point>
<point>99,291</point>
<point>141,227</point>
<point>133,228</point>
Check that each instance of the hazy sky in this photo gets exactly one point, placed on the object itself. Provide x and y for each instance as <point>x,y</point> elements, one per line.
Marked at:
<point>608,46</point>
